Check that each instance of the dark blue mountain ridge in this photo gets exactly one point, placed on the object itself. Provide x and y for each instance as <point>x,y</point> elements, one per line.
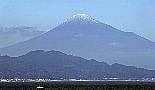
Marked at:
<point>57,65</point>
<point>84,36</point>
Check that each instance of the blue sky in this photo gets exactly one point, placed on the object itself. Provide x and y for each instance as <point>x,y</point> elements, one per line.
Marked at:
<point>128,15</point>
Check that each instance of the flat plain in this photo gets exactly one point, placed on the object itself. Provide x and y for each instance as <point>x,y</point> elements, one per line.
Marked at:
<point>78,85</point>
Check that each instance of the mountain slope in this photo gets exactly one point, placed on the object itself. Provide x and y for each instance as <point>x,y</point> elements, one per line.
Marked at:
<point>58,65</point>
<point>12,35</point>
<point>87,37</point>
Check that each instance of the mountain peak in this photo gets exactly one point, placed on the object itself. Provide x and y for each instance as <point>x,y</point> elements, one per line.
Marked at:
<point>82,18</point>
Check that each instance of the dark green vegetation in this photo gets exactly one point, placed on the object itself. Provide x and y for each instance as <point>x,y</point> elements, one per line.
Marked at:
<point>79,85</point>
<point>56,65</point>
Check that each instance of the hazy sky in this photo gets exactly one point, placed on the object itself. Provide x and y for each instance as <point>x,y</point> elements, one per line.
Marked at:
<point>129,15</point>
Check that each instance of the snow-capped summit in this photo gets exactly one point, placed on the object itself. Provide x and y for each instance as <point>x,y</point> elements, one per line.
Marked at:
<point>81,19</point>
<point>82,16</point>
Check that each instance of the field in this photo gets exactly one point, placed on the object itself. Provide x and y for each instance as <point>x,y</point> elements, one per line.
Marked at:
<point>78,85</point>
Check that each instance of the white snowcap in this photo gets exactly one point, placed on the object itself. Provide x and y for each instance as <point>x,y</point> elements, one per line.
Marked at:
<point>82,18</point>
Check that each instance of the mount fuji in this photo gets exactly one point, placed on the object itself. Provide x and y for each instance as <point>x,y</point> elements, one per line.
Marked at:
<point>84,36</point>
